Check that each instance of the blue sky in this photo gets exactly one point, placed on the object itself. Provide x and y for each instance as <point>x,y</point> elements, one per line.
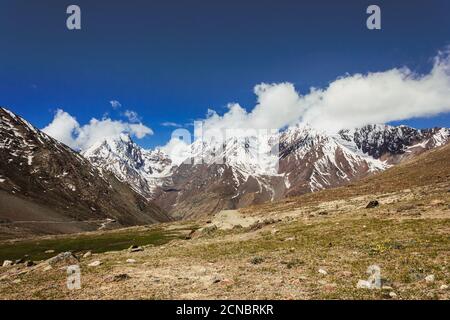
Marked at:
<point>172,60</point>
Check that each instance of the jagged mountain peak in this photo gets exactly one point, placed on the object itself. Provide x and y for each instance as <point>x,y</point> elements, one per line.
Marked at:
<point>380,140</point>
<point>309,160</point>
<point>142,169</point>
<point>58,190</point>
<point>249,168</point>
<point>120,147</point>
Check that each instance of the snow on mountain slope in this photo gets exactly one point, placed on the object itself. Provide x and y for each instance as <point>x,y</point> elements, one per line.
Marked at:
<point>143,170</point>
<point>306,160</point>
<point>394,144</point>
<point>44,180</point>
<point>313,160</point>
<point>242,169</point>
<point>223,174</point>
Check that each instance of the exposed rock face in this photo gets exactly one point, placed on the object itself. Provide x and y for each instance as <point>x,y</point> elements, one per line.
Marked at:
<point>46,187</point>
<point>309,160</point>
<point>234,173</point>
<point>230,175</point>
<point>312,160</point>
<point>40,173</point>
<point>394,144</point>
<point>143,170</point>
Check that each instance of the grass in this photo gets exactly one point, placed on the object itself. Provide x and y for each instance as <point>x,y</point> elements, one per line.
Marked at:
<point>406,251</point>
<point>428,169</point>
<point>96,243</point>
<point>407,236</point>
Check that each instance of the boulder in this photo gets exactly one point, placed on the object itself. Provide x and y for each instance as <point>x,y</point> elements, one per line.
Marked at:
<point>7,263</point>
<point>372,204</point>
<point>29,263</point>
<point>63,258</point>
<point>322,271</point>
<point>95,263</point>
<point>135,248</point>
<point>257,260</point>
<point>118,277</point>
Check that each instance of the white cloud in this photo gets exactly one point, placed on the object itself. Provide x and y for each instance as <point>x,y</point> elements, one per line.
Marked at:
<point>63,128</point>
<point>139,130</point>
<point>171,124</point>
<point>380,97</point>
<point>132,116</point>
<point>66,129</point>
<point>177,149</point>
<point>349,101</point>
<point>115,104</point>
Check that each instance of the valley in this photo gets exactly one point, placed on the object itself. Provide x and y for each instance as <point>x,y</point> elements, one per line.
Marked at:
<point>314,246</point>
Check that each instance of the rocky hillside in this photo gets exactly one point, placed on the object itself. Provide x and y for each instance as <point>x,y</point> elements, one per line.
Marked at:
<point>308,161</point>
<point>45,187</point>
<point>317,246</point>
<point>245,170</point>
<point>143,170</point>
<point>242,170</point>
<point>429,169</point>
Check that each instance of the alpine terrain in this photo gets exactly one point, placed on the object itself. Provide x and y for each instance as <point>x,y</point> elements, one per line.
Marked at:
<point>46,187</point>
<point>248,170</point>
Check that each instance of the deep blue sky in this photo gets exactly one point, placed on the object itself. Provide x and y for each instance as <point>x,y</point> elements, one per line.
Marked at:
<point>171,60</point>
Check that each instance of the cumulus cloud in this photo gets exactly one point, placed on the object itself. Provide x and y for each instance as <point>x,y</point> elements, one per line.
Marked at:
<point>67,129</point>
<point>349,101</point>
<point>177,149</point>
<point>63,128</point>
<point>115,104</point>
<point>380,97</point>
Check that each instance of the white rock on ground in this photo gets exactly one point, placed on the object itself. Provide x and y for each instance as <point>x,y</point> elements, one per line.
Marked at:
<point>131,261</point>
<point>363,284</point>
<point>7,263</point>
<point>321,271</point>
<point>48,268</point>
<point>392,294</point>
<point>444,287</point>
<point>135,248</point>
<point>87,254</point>
<point>66,257</point>
<point>429,278</point>
<point>95,263</point>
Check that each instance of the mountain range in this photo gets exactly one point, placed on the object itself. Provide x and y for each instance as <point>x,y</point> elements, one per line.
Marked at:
<point>46,187</point>
<point>307,160</point>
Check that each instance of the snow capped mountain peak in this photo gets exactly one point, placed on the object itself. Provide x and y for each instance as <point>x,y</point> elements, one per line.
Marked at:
<point>142,169</point>
<point>116,148</point>
<point>46,180</point>
<point>250,168</point>
<point>379,140</point>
